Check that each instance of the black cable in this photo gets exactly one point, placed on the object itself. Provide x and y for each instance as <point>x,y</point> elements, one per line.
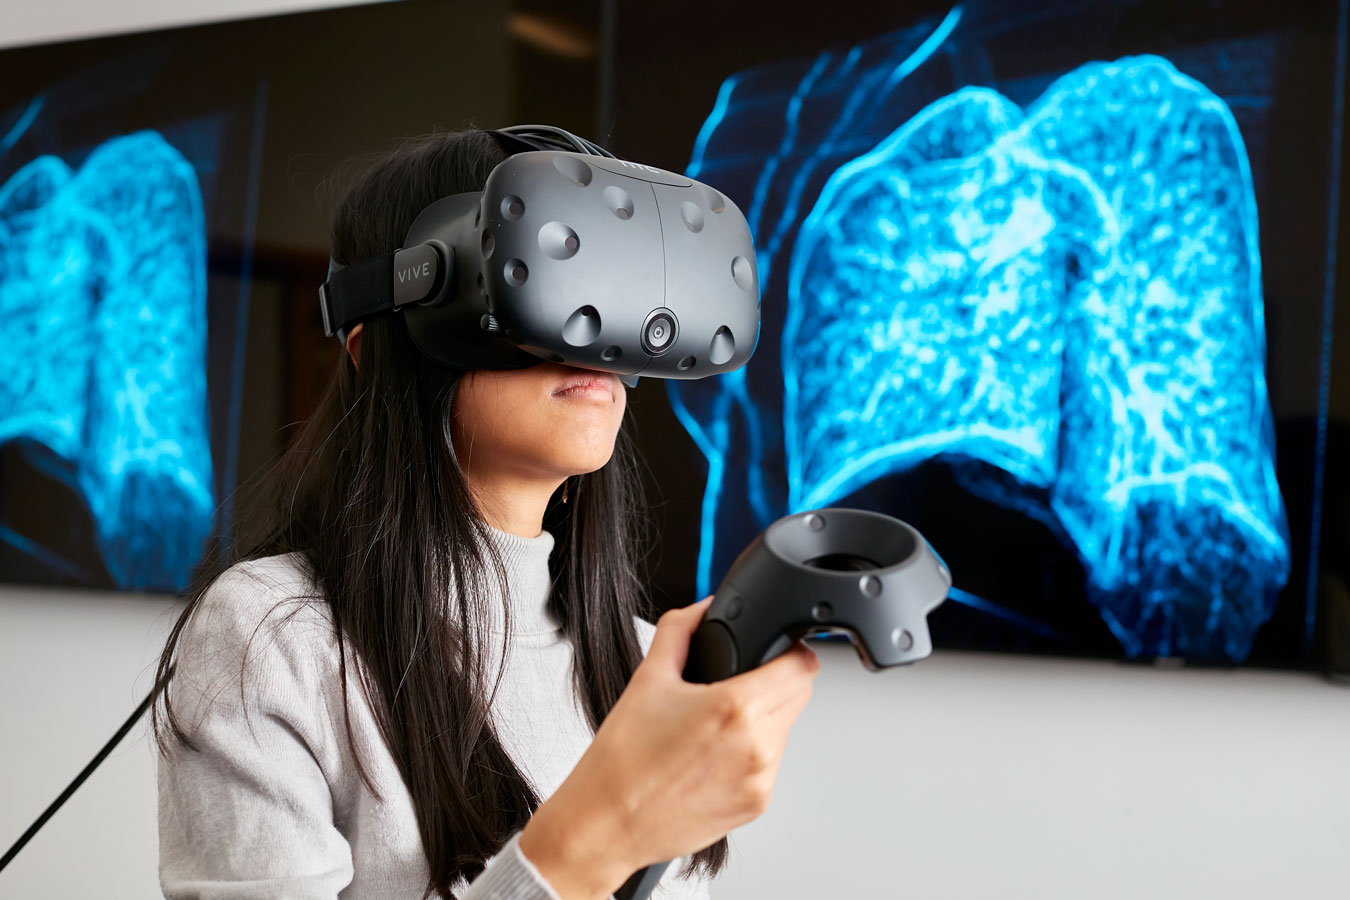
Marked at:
<point>558,137</point>
<point>79,779</point>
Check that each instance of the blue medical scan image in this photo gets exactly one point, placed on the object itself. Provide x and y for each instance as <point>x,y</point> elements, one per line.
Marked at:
<point>103,289</point>
<point>112,474</point>
<point>1042,293</point>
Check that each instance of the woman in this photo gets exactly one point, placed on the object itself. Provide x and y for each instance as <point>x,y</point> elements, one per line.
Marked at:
<point>426,674</point>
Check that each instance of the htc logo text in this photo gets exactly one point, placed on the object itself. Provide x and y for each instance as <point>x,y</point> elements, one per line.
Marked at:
<point>633,165</point>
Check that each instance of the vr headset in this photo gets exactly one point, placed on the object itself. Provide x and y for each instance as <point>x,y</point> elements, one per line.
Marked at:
<point>572,255</point>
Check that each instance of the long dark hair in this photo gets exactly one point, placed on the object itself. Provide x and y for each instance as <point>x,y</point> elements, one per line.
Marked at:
<point>372,496</point>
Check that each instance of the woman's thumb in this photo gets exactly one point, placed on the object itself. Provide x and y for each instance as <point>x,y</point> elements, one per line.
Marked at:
<point>670,644</point>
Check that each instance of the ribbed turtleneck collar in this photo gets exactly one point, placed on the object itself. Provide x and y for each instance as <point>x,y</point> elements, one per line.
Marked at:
<point>527,576</point>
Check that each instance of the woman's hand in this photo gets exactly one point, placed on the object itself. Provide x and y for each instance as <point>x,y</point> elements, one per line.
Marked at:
<point>673,768</point>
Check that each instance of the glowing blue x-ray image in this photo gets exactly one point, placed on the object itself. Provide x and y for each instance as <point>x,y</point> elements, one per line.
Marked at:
<point>1069,295</point>
<point>103,296</point>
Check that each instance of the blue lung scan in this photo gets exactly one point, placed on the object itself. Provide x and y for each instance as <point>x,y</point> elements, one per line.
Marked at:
<point>103,296</point>
<point>1068,294</point>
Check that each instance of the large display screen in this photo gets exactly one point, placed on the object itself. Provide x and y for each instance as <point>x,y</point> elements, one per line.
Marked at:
<point>1019,293</point>
<point>121,377</point>
<point>1055,281</point>
<point>164,227</point>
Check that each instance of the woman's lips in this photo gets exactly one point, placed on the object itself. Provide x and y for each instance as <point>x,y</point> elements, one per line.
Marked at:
<point>588,384</point>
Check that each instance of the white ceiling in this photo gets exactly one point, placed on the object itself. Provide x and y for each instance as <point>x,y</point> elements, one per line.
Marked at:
<point>49,21</point>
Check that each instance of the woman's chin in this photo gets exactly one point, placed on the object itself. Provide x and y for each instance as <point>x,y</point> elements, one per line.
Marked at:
<point>585,465</point>
<point>583,458</point>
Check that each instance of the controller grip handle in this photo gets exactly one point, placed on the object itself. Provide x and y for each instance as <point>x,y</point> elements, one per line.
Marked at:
<point>713,654</point>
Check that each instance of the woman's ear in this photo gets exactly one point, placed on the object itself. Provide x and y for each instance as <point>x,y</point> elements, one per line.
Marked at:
<point>354,344</point>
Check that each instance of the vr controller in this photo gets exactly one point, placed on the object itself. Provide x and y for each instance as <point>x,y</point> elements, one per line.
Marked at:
<point>849,571</point>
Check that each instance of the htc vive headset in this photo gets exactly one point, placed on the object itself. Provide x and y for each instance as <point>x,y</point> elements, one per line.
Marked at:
<point>572,255</point>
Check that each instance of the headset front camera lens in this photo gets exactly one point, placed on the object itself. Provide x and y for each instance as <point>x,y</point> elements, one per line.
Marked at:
<point>659,333</point>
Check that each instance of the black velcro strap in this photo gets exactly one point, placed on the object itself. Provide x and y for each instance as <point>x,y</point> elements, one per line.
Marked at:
<point>356,293</point>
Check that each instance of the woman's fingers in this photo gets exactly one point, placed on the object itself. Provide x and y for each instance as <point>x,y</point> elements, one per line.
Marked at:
<point>781,676</point>
<point>704,755</point>
<point>789,707</point>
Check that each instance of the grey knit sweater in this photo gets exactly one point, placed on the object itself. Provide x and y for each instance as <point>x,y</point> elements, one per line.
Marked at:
<point>270,804</point>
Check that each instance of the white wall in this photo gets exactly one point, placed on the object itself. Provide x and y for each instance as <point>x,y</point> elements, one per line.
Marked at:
<point>73,665</point>
<point>965,776</point>
<point>27,22</point>
<point>974,776</point>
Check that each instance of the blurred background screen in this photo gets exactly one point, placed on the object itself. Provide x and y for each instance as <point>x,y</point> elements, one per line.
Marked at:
<point>1055,282</point>
<point>125,243</point>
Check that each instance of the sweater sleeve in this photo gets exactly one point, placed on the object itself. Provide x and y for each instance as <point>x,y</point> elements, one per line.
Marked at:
<point>247,811</point>
<point>510,876</point>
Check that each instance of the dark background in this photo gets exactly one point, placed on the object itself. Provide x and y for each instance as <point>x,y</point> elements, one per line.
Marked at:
<point>641,78</point>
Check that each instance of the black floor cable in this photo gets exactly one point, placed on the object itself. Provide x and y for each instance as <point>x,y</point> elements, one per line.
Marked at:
<point>79,780</point>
